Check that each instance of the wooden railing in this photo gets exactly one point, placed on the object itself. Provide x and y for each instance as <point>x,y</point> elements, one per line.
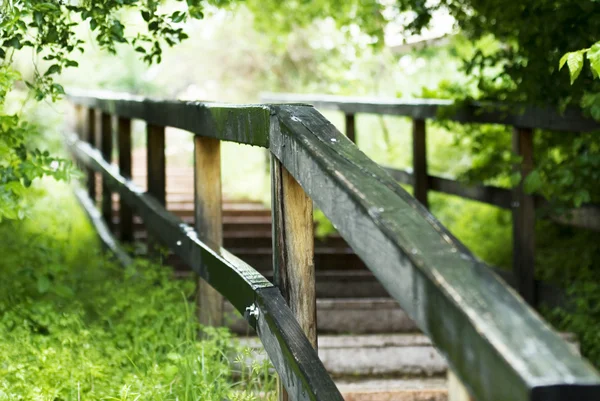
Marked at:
<point>524,121</point>
<point>496,344</point>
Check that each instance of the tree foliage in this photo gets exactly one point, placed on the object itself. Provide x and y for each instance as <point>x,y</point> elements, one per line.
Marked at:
<point>512,55</point>
<point>49,30</point>
<point>524,67</point>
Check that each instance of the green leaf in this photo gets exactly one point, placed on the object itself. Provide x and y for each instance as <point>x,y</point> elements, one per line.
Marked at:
<point>515,179</point>
<point>574,61</point>
<point>582,196</point>
<point>13,42</point>
<point>593,55</point>
<point>43,284</point>
<point>533,182</point>
<point>53,69</point>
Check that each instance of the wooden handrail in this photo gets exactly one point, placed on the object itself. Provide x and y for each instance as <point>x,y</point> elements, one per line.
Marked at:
<point>572,120</point>
<point>498,346</point>
<point>293,356</point>
<point>524,120</point>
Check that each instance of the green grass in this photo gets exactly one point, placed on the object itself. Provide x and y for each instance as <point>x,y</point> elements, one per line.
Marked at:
<point>74,325</point>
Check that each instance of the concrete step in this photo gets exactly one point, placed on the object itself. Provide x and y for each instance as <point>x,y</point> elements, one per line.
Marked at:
<point>411,389</point>
<point>359,357</point>
<point>398,367</point>
<point>355,316</point>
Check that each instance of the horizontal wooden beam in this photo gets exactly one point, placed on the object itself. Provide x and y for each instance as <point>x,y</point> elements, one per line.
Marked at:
<point>297,363</point>
<point>500,197</point>
<point>248,124</point>
<point>497,345</point>
<point>572,120</point>
<point>587,216</point>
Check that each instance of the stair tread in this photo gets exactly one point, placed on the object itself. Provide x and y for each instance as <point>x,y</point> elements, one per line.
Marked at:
<point>393,384</point>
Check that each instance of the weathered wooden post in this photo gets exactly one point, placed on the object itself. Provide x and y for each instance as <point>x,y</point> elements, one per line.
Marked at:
<point>124,141</point>
<point>79,115</point>
<point>523,216</point>
<point>293,250</point>
<point>421,181</point>
<point>79,120</point>
<point>350,127</point>
<point>208,220</point>
<point>90,137</point>
<point>156,171</point>
<point>106,149</point>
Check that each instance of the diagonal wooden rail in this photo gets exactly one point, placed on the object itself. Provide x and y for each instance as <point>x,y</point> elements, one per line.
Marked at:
<point>496,344</point>
<point>524,121</point>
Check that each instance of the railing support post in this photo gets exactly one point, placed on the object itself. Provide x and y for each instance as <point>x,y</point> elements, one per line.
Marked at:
<point>350,127</point>
<point>79,116</point>
<point>106,149</point>
<point>125,212</point>
<point>208,220</point>
<point>523,211</point>
<point>421,181</point>
<point>293,250</point>
<point>156,174</point>
<point>90,137</point>
<point>79,123</point>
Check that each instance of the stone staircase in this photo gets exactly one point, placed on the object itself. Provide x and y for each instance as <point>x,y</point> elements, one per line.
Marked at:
<point>379,367</point>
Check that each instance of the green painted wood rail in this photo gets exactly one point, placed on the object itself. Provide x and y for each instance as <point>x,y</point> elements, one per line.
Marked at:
<point>496,344</point>
<point>524,120</point>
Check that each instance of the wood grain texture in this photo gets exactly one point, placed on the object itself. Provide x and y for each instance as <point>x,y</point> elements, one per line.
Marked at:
<point>106,143</point>
<point>293,250</point>
<point>419,148</point>
<point>124,143</point>
<point>524,219</point>
<point>250,293</point>
<point>209,222</point>
<point>468,312</point>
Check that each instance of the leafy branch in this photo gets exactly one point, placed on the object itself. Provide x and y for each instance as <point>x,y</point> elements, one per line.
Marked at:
<point>575,60</point>
<point>48,29</point>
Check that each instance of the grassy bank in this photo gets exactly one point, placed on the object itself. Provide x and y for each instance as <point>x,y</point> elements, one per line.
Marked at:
<point>76,326</point>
